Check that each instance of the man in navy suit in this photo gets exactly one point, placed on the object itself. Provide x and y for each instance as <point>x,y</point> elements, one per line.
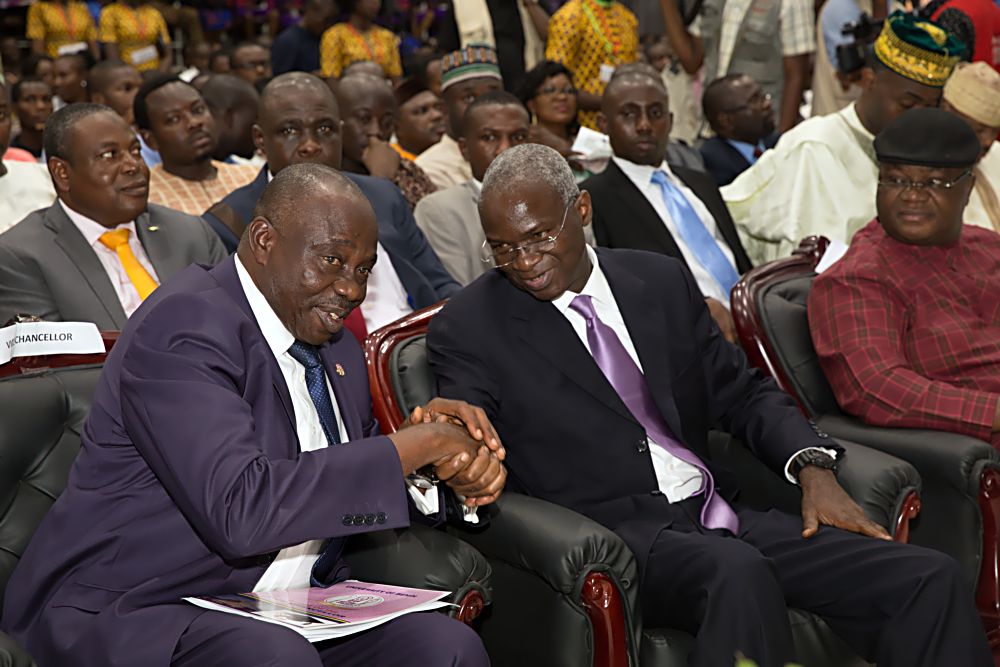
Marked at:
<point>742,118</point>
<point>603,372</point>
<point>231,447</point>
<point>298,121</point>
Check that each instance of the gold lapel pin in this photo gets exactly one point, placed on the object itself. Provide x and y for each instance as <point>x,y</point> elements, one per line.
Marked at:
<point>153,228</point>
<point>339,369</point>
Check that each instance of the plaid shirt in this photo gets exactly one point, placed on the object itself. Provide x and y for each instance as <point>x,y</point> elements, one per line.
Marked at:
<point>196,197</point>
<point>909,336</point>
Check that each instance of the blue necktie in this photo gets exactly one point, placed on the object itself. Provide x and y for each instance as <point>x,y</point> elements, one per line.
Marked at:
<point>695,235</point>
<point>319,392</point>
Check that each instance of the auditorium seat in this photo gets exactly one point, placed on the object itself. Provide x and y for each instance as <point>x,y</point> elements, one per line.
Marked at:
<point>565,587</point>
<point>960,475</point>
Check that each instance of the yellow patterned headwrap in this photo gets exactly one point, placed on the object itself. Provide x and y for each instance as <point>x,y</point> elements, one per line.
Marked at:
<point>918,49</point>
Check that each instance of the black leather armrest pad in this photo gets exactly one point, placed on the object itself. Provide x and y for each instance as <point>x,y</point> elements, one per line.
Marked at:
<point>953,459</point>
<point>12,655</point>
<point>877,481</point>
<point>556,544</point>
<point>419,557</point>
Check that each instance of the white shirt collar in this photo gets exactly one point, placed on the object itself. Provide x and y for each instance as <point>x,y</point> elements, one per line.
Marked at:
<point>642,174</point>
<point>278,338</point>
<point>91,229</point>
<point>854,121</point>
<point>597,287</point>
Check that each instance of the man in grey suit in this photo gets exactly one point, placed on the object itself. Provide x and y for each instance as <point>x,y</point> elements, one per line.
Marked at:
<point>449,218</point>
<point>96,253</point>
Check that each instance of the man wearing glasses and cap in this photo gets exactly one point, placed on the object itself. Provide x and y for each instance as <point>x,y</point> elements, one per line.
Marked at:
<point>907,323</point>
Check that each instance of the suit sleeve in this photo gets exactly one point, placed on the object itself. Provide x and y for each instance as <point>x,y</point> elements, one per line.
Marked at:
<point>422,254</point>
<point>212,461</point>
<point>216,250</point>
<point>23,289</point>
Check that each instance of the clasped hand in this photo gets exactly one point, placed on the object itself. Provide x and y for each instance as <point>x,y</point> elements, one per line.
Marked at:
<point>477,473</point>
<point>825,502</point>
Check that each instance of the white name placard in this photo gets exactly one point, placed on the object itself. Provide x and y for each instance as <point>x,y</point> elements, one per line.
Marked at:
<point>31,339</point>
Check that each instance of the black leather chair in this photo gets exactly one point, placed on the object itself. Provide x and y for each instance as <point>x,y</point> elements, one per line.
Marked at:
<point>43,404</point>
<point>961,475</point>
<point>565,587</point>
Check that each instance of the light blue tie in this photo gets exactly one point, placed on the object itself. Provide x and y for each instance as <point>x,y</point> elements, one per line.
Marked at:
<point>695,235</point>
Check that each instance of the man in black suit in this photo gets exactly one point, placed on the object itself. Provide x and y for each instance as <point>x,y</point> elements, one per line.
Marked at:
<point>740,114</point>
<point>640,202</point>
<point>602,372</point>
<point>298,121</point>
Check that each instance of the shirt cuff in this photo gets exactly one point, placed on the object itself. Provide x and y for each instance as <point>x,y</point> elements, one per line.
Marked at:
<point>788,466</point>
<point>429,504</point>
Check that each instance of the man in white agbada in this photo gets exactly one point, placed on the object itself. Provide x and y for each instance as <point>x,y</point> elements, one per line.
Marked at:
<point>822,175</point>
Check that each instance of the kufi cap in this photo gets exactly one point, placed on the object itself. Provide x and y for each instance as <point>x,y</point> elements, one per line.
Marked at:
<point>474,61</point>
<point>928,137</point>
<point>407,89</point>
<point>918,49</point>
<point>974,90</point>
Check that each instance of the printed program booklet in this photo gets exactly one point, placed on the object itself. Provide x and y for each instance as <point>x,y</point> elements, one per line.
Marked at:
<point>319,614</point>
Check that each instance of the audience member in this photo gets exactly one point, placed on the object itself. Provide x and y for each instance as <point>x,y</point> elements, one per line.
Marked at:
<point>740,114</point>
<point>982,15</point>
<point>362,68</point>
<point>548,94</point>
<point>69,80</point>
<point>426,68</point>
<point>591,38</point>
<point>33,105</point>
<point>194,477</point>
<point>368,109</point>
<point>61,27</point>
<point>973,94</point>
<point>641,202</point>
<point>450,218</point>
<point>252,63</point>
<point>833,86</point>
<point>467,74</point>
<point>603,373</point>
<point>420,119</point>
<point>114,83</point>
<point>296,48</point>
<point>196,60</point>
<point>679,82</point>
<point>175,121</point>
<point>24,185</point>
<point>771,42</point>
<point>821,178</point>
<point>298,121</point>
<point>135,31</point>
<point>905,324</point>
<point>96,253</point>
<point>38,66</point>
<point>233,103</point>
<point>219,63</point>
<point>517,30</point>
<point>358,38</point>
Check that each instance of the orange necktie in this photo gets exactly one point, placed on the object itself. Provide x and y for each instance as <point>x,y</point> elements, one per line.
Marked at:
<point>141,280</point>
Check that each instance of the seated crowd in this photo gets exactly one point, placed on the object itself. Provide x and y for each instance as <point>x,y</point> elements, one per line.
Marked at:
<point>247,216</point>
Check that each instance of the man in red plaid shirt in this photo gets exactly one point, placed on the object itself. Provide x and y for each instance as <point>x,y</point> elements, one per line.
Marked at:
<point>907,323</point>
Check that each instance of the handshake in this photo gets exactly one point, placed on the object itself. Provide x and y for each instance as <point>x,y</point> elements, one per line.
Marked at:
<point>460,443</point>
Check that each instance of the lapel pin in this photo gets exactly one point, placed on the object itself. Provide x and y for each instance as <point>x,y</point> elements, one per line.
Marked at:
<point>340,370</point>
<point>153,228</point>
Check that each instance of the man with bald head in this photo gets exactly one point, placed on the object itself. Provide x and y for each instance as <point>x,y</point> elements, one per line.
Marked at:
<point>233,104</point>
<point>276,462</point>
<point>603,373</point>
<point>299,122</point>
<point>101,248</point>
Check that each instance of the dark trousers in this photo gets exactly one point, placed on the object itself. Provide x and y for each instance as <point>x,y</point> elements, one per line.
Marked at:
<point>217,639</point>
<point>894,604</point>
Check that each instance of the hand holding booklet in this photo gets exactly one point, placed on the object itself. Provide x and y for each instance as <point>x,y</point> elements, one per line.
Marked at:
<point>319,614</point>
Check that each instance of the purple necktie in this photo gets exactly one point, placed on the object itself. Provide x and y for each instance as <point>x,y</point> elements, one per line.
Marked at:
<point>627,379</point>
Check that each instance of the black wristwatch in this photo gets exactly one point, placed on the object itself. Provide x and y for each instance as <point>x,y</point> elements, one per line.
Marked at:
<point>813,457</point>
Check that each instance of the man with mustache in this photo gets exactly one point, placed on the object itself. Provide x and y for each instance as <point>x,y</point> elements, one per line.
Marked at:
<point>96,253</point>
<point>420,119</point>
<point>175,121</point>
<point>230,448</point>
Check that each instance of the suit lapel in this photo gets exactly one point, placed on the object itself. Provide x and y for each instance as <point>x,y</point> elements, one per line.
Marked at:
<point>72,242</point>
<point>705,189</point>
<point>157,246</point>
<point>636,203</point>
<point>341,387</point>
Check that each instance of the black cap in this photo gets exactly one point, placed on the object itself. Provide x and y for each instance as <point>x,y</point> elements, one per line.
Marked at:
<point>928,137</point>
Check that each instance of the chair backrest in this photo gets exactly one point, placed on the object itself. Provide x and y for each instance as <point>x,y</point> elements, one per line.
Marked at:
<point>769,308</point>
<point>398,371</point>
<point>44,402</point>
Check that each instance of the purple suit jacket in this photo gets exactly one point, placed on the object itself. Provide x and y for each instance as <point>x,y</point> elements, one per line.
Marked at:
<point>189,473</point>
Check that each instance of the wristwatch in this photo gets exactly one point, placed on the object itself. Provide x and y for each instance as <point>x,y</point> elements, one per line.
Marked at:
<point>813,457</point>
<point>425,478</point>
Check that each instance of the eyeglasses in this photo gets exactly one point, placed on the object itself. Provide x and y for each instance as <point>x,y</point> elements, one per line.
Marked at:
<point>552,90</point>
<point>755,102</point>
<point>931,185</point>
<point>506,255</point>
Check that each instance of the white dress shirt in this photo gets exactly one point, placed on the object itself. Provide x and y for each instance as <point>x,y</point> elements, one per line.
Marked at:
<point>128,296</point>
<point>642,176</point>
<point>386,300</point>
<point>25,188</point>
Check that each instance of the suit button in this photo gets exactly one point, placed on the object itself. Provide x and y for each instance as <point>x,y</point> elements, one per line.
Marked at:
<point>381,517</point>
<point>642,445</point>
<point>359,519</point>
<point>348,520</point>
<point>369,519</point>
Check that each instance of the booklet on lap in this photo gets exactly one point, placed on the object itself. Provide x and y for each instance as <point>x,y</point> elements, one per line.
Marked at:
<point>319,614</point>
